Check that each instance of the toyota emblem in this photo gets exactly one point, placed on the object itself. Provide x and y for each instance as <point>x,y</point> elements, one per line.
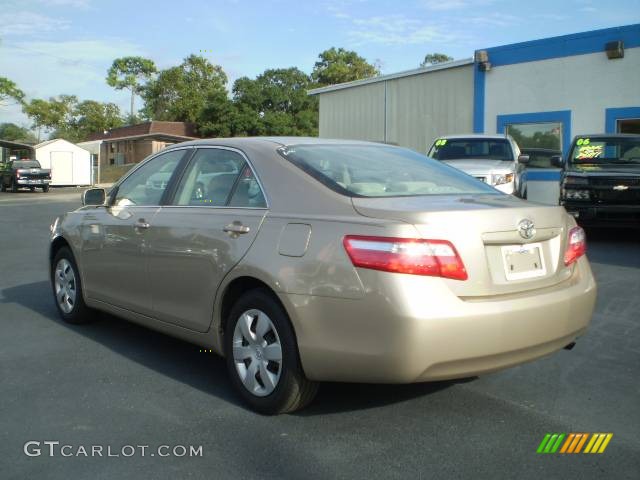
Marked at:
<point>526,229</point>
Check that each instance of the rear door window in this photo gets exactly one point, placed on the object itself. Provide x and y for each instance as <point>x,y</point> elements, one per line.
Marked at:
<point>218,177</point>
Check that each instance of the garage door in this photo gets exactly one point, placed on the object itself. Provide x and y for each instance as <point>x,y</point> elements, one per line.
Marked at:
<point>62,168</point>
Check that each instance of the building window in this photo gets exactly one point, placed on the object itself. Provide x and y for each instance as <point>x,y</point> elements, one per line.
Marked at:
<point>628,125</point>
<point>622,120</point>
<point>537,135</point>
<point>545,131</point>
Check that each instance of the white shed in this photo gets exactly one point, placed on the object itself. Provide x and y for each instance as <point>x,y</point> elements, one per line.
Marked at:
<point>69,163</point>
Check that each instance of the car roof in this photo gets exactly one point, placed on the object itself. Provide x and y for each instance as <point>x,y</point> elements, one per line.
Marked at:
<point>608,135</point>
<point>239,142</point>
<point>477,135</point>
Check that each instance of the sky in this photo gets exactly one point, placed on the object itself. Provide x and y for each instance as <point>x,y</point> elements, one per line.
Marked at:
<point>52,47</point>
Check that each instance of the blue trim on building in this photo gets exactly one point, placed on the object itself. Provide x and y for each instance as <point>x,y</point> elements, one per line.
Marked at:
<point>541,175</point>
<point>562,116</point>
<point>478,99</point>
<point>563,46</point>
<point>544,49</point>
<point>612,115</point>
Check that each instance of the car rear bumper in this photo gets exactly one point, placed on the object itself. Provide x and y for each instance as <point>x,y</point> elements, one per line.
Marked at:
<point>436,335</point>
<point>33,182</point>
<point>605,215</point>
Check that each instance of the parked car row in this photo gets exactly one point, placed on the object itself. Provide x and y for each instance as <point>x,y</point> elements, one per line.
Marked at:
<point>599,181</point>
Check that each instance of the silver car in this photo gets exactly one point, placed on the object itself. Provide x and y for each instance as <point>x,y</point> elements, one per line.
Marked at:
<point>494,159</point>
<point>316,260</point>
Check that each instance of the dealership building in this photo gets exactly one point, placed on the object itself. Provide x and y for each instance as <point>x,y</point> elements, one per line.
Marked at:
<point>553,88</point>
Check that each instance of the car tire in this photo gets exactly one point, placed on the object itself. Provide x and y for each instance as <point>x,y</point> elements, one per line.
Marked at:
<point>67,289</point>
<point>32,189</point>
<point>45,189</point>
<point>3,187</point>
<point>285,388</point>
<point>14,185</point>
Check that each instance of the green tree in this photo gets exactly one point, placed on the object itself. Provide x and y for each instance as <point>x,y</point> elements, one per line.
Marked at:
<point>13,132</point>
<point>182,93</point>
<point>51,114</point>
<point>275,103</point>
<point>339,66</point>
<point>9,91</point>
<point>88,117</point>
<point>435,58</point>
<point>129,73</point>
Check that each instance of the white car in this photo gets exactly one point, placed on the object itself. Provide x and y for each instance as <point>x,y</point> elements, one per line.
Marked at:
<point>494,159</point>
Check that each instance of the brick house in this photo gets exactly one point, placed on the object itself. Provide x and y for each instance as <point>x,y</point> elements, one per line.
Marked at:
<point>133,143</point>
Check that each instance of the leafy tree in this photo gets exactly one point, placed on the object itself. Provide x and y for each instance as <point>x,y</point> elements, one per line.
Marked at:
<point>339,66</point>
<point>50,114</point>
<point>129,73</point>
<point>88,117</point>
<point>13,132</point>
<point>219,116</point>
<point>181,93</point>
<point>435,58</point>
<point>275,103</point>
<point>9,91</point>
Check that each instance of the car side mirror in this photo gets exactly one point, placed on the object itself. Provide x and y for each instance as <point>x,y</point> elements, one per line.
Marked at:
<point>524,159</point>
<point>94,196</point>
<point>556,161</point>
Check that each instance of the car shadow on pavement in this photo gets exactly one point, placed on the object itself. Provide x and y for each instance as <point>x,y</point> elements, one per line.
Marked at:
<point>614,246</point>
<point>185,363</point>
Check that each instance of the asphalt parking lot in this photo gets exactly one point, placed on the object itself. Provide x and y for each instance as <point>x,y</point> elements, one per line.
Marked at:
<point>113,383</point>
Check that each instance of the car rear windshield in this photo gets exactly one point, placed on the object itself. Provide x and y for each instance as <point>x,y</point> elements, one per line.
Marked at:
<point>380,171</point>
<point>602,150</point>
<point>471,148</point>
<point>26,164</point>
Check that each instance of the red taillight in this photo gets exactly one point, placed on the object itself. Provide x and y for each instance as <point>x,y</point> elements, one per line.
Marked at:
<point>437,258</point>
<point>17,174</point>
<point>576,245</point>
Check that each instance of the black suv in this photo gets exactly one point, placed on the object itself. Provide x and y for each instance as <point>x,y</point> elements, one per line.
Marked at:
<point>601,180</point>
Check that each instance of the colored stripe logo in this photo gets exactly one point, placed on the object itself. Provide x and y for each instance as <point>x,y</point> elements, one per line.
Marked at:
<point>574,442</point>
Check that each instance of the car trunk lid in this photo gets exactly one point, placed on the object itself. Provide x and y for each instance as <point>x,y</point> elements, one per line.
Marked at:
<point>485,231</point>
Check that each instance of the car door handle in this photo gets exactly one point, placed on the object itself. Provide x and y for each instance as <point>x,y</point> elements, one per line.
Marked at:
<point>141,224</point>
<point>237,228</point>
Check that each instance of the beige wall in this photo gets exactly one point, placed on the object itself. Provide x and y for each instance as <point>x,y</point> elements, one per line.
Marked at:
<point>419,108</point>
<point>353,113</point>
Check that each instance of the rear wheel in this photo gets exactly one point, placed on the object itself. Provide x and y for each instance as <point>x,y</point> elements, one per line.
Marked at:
<point>45,189</point>
<point>14,185</point>
<point>3,187</point>
<point>262,356</point>
<point>67,288</point>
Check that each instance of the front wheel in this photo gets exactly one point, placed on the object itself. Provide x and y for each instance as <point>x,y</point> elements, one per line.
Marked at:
<point>67,288</point>
<point>262,356</point>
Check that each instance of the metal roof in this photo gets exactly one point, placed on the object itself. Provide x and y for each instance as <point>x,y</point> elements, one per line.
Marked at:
<point>15,145</point>
<point>393,76</point>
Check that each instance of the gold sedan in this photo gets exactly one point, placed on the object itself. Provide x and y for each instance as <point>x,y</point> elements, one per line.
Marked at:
<point>304,260</point>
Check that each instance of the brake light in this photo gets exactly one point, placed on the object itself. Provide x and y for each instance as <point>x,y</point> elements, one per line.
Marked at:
<point>17,174</point>
<point>576,246</point>
<point>437,258</point>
